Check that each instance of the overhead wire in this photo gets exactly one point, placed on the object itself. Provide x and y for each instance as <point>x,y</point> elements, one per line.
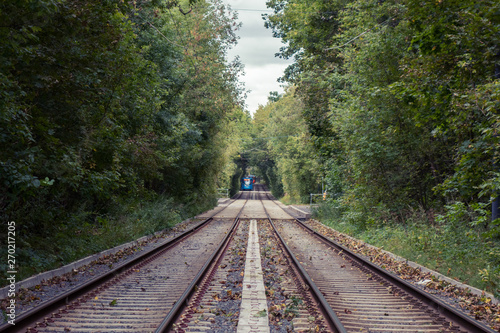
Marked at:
<point>158,30</point>
<point>327,49</point>
<point>358,36</point>
<point>252,10</point>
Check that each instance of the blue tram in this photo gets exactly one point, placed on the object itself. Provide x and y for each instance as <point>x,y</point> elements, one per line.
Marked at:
<point>247,183</point>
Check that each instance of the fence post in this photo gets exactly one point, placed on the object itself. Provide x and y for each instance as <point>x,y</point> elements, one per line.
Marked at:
<point>496,203</point>
<point>494,208</point>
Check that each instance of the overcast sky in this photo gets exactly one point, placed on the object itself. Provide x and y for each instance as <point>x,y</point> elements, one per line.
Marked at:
<point>256,48</point>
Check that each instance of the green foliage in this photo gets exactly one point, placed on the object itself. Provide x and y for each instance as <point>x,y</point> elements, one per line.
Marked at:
<point>236,163</point>
<point>454,83</point>
<point>293,171</point>
<point>106,102</point>
<point>401,99</point>
<point>65,243</point>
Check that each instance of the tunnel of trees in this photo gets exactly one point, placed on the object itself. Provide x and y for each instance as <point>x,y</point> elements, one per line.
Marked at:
<point>122,118</point>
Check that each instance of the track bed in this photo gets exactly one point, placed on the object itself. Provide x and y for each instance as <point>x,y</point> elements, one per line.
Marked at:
<point>249,267</point>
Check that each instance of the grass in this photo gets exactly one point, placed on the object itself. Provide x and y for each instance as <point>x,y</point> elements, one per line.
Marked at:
<point>288,200</point>
<point>454,249</point>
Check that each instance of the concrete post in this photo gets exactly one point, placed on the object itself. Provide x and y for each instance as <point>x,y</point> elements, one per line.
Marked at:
<point>495,205</point>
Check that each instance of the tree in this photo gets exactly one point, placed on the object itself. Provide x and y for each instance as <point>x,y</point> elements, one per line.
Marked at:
<point>391,97</point>
<point>108,106</point>
<point>293,164</point>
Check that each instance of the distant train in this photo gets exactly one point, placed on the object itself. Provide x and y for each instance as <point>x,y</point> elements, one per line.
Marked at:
<point>247,183</point>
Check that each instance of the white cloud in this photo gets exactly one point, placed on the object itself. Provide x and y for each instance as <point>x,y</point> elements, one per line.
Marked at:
<point>261,80</point>
<point>257,48</point>
<point>258,51</point>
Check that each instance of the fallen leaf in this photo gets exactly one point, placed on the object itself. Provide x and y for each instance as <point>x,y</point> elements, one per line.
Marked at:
<point>261,313</point>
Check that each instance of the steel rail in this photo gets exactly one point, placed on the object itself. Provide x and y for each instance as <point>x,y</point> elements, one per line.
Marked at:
<point>176,311</point>
<point>30,317</point>
<point>332,320</point>
<point>462,320</point>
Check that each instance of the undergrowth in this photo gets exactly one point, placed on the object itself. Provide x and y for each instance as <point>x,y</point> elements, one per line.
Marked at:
<point>449,243</point>
<point>83,235</point>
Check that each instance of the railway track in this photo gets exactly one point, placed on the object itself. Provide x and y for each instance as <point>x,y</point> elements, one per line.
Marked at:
<point>249,267</point>
<point>138,295</point>
<point>343,293</point>
<point>364,297</point>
